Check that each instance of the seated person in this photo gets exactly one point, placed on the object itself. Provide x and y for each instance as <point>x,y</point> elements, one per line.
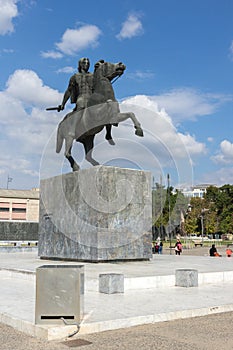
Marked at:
<point>213,251</point>
<point>228,252</point>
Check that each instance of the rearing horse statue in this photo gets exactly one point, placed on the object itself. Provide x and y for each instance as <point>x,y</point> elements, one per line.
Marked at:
<point>103,110</point>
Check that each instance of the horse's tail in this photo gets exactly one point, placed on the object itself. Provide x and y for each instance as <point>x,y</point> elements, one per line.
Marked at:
<point>60,138</point>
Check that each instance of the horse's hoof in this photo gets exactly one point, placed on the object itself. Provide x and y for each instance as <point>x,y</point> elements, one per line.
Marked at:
<point>111,142</point>
<point>139,132</point>
<point>92,161</point>
<point>95,163</point>
<point>76,167</point>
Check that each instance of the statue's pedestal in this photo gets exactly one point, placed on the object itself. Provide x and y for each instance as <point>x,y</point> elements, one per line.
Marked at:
<point>97,214</point>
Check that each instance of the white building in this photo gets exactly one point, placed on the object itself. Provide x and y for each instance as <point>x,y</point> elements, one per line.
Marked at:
<point>196,191</point>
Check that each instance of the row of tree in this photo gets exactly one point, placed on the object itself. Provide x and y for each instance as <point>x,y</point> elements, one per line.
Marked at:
<point>173,213</point>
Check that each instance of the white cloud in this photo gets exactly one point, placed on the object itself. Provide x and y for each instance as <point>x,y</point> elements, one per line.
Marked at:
<point>12,110</point>
<point>225,154</point>
<point>26,86</point>
<point>161,125</point>
<point>75,40</point>
<point>220,177</point>
<point>227,148</point>
<point>140,75</point>
<point>161,149</point>
<point>8,51</point>
<point>8,11</point>
<point>51,54</point>
<point>183,104</point>
<point>25,126</point>
<point>67,69</point>
<point>192,146</point>
<point>131,27</point>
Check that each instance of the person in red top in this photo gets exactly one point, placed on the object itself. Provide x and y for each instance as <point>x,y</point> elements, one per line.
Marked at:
<point>178,247</point>
<point>228,252</point>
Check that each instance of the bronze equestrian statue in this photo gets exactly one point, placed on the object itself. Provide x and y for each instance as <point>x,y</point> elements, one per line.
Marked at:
<point>96,108</point>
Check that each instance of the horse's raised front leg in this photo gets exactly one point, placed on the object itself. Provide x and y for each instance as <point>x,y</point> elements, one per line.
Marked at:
<point>108,135</point>
<point>130,115</point>
<point>88,144</point>
<point>68,147</point>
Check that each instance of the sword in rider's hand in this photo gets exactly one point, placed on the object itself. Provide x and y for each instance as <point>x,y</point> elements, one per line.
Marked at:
<point>54,109</point>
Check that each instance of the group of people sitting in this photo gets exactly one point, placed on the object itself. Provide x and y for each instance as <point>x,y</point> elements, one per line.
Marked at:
<point>157,248</point>
<point>214,252</point>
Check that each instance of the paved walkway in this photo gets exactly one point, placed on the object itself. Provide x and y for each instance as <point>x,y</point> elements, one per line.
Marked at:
<point>212,332</point>
<point>145,299</point>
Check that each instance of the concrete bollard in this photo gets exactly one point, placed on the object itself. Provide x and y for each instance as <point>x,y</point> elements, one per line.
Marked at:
<point>59,294</point>
<point>186,278</point>
<point>110,283</point>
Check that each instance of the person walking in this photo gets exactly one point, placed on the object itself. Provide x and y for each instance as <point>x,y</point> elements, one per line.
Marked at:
<point>160,248</point>
<point>178,247</point>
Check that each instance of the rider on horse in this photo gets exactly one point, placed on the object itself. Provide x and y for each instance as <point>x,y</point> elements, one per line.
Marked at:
<point>102,110</point>
<point>80,86</point>
<point>80,89</point>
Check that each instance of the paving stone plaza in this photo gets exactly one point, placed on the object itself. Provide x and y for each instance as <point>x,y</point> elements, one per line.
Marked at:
<point>150,292</point>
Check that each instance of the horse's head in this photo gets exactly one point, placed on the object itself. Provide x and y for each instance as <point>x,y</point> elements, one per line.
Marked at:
<point>109,70</point>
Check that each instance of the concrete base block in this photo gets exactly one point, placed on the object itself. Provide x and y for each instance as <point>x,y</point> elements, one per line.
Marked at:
<point>98,214</point>
<point>186,278</point>
<point>59,294</point>
<point>111,283</point>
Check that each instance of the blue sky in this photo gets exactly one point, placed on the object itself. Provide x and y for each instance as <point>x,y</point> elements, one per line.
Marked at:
<point>178,81</point>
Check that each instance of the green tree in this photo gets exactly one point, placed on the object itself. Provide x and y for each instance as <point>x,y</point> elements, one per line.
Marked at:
<point>192,219</point>
<point>167,204</point>
<point>221,200</point>
<point>214,211</point>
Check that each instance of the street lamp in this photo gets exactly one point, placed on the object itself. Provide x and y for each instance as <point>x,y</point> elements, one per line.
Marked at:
<point>9,179</point>
<point>161,206</point>
<point>169,209</point>
<point>203,211</point>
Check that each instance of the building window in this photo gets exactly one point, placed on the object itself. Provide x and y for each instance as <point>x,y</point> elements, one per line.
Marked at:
<point>4,210</point>
<point>19,211</point>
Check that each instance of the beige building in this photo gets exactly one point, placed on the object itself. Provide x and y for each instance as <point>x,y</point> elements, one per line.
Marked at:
<point>19,204</point>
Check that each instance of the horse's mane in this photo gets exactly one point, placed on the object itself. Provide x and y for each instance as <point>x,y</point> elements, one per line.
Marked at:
<point>101,82</point>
